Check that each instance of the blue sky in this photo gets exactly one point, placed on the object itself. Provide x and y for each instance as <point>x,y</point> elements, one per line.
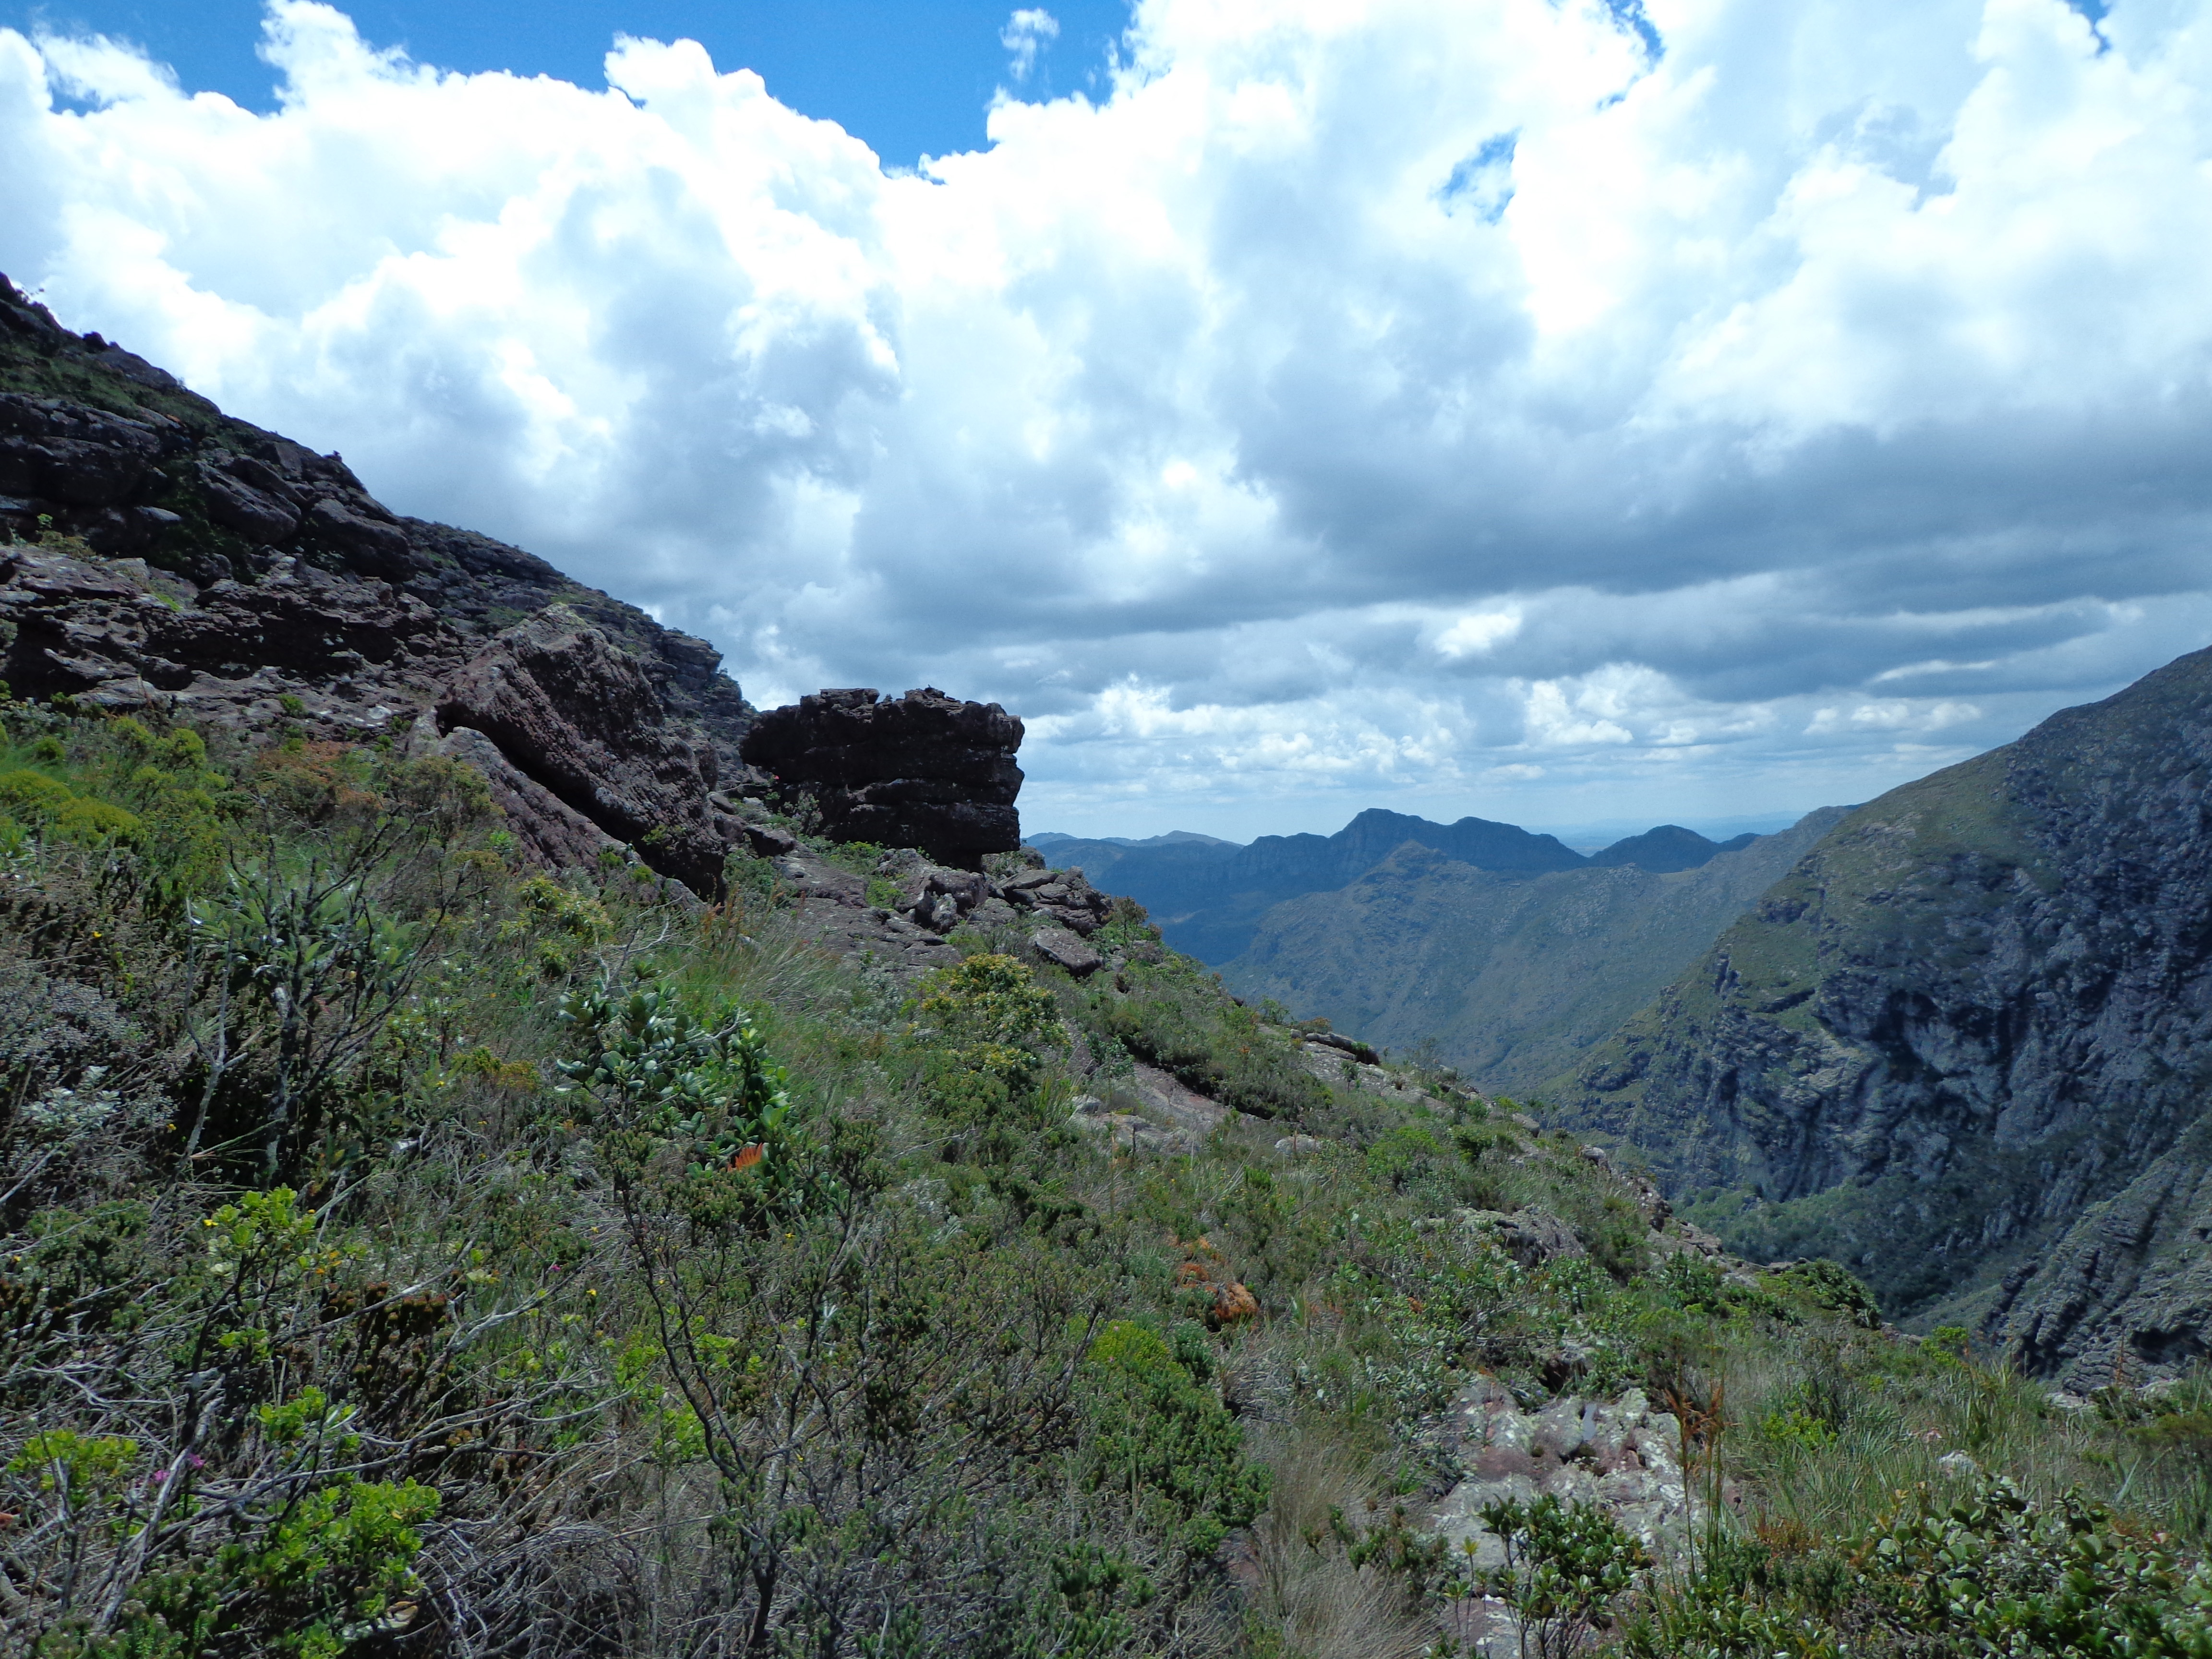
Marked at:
<point>907,78</point>
<point>1564,411</point>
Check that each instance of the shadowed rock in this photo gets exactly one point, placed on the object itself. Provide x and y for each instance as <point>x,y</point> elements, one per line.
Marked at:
<point>922,770</point>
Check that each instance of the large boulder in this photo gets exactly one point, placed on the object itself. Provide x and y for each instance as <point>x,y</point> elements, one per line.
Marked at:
<point>577,714</point>
<point>923,770</point>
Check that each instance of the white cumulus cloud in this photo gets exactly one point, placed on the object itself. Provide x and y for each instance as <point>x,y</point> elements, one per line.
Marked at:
<point>1537,408</point>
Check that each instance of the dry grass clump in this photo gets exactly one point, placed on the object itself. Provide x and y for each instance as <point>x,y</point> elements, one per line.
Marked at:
<point>1308,1601</point>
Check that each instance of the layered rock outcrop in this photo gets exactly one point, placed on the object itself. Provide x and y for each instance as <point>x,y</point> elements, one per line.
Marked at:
<point>1978,1007</point>
<point>924,771</point>
<point>2126,1293</point>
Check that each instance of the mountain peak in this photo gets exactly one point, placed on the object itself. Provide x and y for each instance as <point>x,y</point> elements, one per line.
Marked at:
<point>1668,848</point>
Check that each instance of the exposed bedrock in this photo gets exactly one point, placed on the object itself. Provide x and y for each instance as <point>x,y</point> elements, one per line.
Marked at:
<point>924,771</point>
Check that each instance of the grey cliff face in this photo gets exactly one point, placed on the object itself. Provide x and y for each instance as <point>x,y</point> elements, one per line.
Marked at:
<point>2127,1292</point>
<point>922,770</point>
<point>1980,1005</point>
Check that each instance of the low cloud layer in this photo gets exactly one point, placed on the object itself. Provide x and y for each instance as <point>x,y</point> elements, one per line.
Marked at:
<point>1551,410</point>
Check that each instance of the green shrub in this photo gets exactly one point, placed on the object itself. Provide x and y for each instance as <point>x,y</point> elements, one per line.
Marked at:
<point>1565,1568</point>
<point>1822,1286</point>
<point>860,857</point>
<point>650,1070</point>
<point>1158,1429</point>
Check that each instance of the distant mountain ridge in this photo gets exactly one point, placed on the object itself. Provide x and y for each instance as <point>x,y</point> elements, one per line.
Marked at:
<point>1208,896</point>
<point>1043,838</point>
<point>1667,848</point>
<point>1510,977</point>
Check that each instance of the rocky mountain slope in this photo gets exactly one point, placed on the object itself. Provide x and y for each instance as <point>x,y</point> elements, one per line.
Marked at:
<point>1966,1040</point>
<point>163,556</point>
<point>160,557</point>
<point>405,1250</point>
<point>1511,977</point>
<point>1208,896</point>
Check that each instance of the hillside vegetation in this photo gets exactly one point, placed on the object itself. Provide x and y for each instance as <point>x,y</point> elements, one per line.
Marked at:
<point>406,1251</point>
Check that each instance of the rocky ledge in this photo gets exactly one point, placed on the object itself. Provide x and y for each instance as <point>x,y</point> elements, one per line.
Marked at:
<point>898,912</point>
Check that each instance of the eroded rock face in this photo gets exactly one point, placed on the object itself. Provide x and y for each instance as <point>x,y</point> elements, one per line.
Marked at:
<point>924,771</point>
<point>1063,898</point>
<point>548,829</point>
<point>2128,1291</point>
<point>1065,950</point>
<point>577,714</point>
<point>121,635</point>
<point>72,454</point>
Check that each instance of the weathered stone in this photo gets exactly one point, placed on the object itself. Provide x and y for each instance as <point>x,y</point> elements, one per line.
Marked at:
<point>766,840</point>
<point>1531,1237</point>
<point>1619,1455</point>
<point>547,826</point>
<point>933,896</point>
<point>577,714</point>
<point>367,544</point>
<point>236,505</point>
<point>1065,950</point>
<point>1359,1051</point>
<point>923,770</point>
<point>71,453</point>
<point>1062,896</point>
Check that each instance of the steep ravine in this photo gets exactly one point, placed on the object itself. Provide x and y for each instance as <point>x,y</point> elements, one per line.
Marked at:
<point>1978,1006</point>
